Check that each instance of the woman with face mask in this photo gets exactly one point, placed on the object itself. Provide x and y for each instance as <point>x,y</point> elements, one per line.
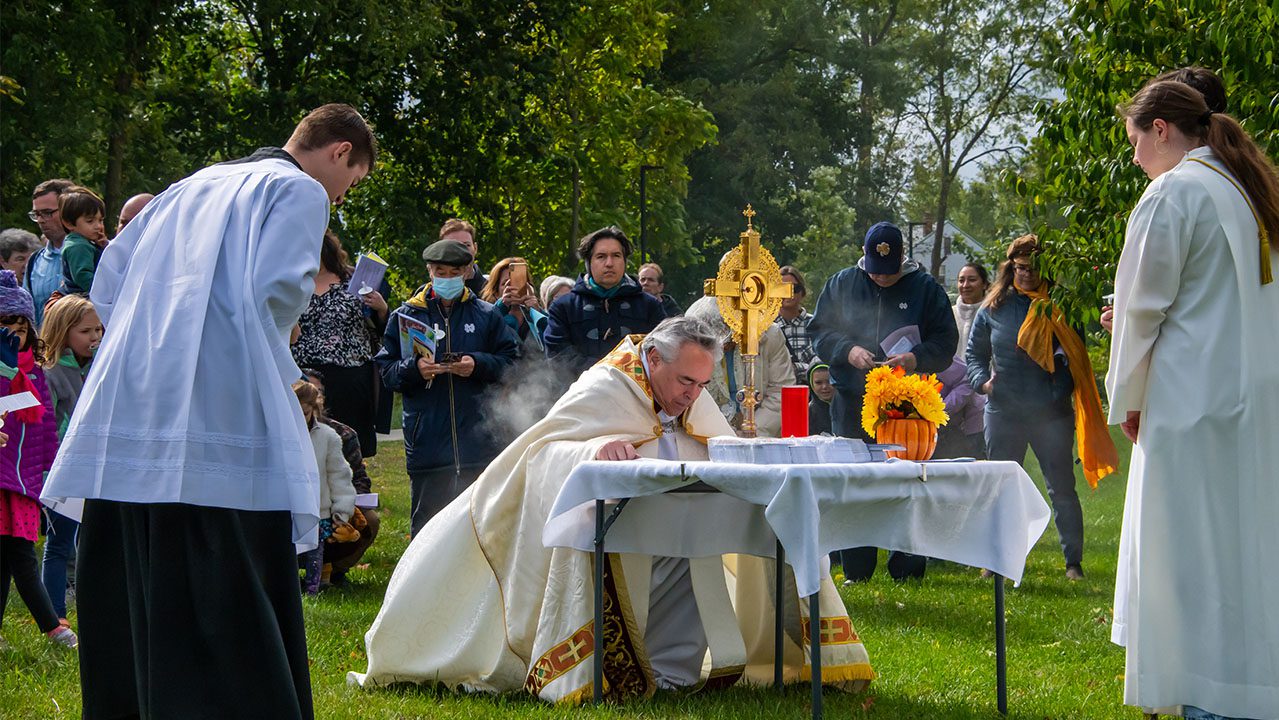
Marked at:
<point>446,441</point>
<point>1193,380</point>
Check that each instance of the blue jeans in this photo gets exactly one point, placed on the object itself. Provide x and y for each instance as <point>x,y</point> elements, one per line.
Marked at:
<point>1052,439</point>
<point>59,548</point>
<point>1190,712</point>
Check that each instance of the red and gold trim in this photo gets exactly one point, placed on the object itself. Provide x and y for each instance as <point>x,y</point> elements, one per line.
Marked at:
<point>834,631</point>
<point>626,672</point>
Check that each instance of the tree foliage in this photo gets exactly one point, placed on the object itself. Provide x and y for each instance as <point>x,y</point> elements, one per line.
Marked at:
<point>1085,161</point>
<point>530,119</point>
<point>978,68</point>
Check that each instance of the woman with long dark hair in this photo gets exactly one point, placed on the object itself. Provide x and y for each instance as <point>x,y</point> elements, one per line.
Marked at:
<point>1194,382</point>
<point>338,339</point>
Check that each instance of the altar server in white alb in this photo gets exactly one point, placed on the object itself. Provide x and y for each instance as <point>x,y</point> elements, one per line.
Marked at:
<point>188,445</point>
<point>1194,379</point>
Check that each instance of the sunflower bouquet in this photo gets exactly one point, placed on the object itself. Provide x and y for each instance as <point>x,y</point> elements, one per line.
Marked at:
<point>891,394</point>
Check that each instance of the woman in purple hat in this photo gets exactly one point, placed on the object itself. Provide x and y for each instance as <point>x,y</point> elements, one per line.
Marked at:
<point>30,440</point>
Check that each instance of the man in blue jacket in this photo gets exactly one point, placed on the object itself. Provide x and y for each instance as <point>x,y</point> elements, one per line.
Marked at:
<point>446,442</point>
<point>604,307</point>
<point>857,310</point>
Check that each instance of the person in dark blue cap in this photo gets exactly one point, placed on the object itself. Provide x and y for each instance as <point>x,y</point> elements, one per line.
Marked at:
<point>859,309</point>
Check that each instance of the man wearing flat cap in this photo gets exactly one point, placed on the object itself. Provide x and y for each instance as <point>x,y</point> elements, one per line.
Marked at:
<point>446,442</point>
<point>859,309</point>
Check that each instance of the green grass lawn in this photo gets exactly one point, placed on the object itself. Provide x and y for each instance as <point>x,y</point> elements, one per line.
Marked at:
<point>932,643</point>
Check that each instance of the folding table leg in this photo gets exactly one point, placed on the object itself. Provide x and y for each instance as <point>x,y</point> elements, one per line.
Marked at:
<point>601,529</point>
<point>779,615</point>
<point>815,645</point>
<point>1001,656</point>
<point>598,626</point>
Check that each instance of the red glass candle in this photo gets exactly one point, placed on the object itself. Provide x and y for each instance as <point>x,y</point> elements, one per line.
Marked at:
<point>795,411</point>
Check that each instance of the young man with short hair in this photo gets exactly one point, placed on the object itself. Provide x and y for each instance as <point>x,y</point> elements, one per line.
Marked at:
<point>604,306</point>
<point>188,444</point>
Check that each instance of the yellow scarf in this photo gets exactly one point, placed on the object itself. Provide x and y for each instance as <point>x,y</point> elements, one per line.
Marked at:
<point>1044,322</point>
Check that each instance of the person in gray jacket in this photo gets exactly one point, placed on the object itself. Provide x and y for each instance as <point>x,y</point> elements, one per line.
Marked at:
<point>1027,406</point>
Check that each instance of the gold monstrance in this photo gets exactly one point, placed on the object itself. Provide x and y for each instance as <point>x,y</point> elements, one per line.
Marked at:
<point>749,290</point>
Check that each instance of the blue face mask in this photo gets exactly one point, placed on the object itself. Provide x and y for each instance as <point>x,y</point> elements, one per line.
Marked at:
<point>448,288</point>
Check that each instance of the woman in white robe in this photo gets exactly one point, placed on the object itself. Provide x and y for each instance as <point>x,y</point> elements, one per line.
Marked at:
<point>1194,379</point>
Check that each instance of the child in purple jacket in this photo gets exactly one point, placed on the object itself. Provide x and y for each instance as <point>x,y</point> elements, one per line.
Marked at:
<point>30,443</point>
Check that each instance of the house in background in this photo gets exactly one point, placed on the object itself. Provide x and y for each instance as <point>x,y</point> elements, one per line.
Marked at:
<point>919,246</point>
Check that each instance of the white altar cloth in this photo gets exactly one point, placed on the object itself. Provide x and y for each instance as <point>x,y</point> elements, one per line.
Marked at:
<point>983,514</point>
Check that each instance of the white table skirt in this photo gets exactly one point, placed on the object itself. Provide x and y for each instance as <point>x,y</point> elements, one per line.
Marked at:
<point>983,514</point>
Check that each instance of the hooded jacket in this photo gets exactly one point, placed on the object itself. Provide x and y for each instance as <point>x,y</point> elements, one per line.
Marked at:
<point>583,325</point>
<point>444,423</point>
<point>853,311</point>
<point>32,446</point>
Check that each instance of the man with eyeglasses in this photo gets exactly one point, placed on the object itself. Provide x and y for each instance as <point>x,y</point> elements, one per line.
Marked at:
<point>44,270</point>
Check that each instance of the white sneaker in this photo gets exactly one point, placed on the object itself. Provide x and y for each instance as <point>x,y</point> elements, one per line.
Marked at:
<point>65,637</point>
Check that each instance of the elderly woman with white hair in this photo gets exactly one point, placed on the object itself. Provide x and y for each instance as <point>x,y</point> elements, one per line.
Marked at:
<point>16,247</point>
<point>774,370</point>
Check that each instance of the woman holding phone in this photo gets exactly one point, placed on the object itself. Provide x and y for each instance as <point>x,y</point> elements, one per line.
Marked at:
<point>513,293</point>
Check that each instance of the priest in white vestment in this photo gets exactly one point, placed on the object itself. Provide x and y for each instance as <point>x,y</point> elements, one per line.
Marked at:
<point>1194,379</point>
<point>479,603</point>
<point>188,447</point>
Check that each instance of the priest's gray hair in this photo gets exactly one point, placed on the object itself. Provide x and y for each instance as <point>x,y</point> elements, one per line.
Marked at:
<point>671,334</point>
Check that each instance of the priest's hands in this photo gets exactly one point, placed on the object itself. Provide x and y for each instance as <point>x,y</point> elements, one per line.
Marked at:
<point>1132,425</point>
<point>617,450</point>
<point>861,358</point>
<point>1108,318</point>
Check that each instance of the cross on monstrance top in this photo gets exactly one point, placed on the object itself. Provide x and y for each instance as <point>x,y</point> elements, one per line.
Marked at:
<point>749,291</point>
<point>749,288</point>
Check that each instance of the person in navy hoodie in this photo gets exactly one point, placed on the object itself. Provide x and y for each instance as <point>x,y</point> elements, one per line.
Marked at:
<point>604,307</point>
<point>856,312</point>
<point>446,441</point>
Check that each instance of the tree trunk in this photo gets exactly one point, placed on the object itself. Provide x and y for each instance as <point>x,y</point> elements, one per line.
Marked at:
<point>939,231</point>
<point>117,141</point>
<point>575,227</point>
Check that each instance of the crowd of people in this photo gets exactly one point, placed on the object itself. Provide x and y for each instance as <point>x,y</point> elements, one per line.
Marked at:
<point>162,479</point>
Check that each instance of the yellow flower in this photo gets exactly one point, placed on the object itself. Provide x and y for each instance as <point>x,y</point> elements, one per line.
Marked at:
<point>890,392</point>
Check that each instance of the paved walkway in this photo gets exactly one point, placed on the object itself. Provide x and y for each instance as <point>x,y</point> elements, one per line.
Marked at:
<point>396,435</point>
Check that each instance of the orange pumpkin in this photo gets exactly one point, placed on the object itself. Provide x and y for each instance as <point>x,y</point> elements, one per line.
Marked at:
<point>919,437</point>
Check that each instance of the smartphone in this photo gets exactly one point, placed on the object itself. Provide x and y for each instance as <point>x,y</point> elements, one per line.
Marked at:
<point>448,358</point>
<point>1108,299</point>
<point>519,276</point>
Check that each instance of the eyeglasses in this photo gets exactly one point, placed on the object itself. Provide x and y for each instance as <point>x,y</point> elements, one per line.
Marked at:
<point>38,215</point>
<point>1026,268</point>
